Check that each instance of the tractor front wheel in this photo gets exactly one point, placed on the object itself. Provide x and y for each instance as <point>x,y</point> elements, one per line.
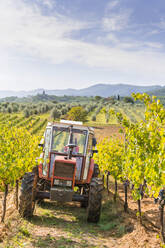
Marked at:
<point>27,203</point>
<point>94,202</point>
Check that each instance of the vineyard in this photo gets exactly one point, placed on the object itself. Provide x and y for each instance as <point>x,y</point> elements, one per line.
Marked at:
<point>131,155</point>
<point>19,138</point>
<point>101,115</point>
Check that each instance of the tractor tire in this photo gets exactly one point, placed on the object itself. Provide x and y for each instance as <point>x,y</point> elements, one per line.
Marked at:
<point>94,202</point>
<point>26,203</point>
<point>40,187</point>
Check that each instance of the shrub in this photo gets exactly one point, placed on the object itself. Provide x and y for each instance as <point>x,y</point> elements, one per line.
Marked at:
<point>77,114</point>
<point>26,113</point>
<point>128,99</point>
<point>55,113</point>
<point>94,118</point>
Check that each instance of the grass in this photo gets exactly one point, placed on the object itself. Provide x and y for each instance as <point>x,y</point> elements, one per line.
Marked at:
<point>108,226</point>
<point>64,225</point>
<point>24,231</point>
<point>121,230</point>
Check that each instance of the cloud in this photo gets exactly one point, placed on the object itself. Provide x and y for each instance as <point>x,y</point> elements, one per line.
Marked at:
<point>116,22</point>
<point>25,25</point>
<point>26,32</point>
<point>112,4</point>
<point>116,18</point>
<point>48,3</point>
<point>156,45</point>
<point>112,37</point>
<point>162,23</point>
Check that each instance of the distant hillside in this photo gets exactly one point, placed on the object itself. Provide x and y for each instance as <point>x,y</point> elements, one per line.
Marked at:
<point>158,92</point>
<point>104,90</point>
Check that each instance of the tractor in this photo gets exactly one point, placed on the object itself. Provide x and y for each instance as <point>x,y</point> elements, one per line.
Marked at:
<point>67,171</point>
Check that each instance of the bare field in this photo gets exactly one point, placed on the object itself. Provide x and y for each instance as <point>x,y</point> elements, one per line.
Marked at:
<point>113,131</point>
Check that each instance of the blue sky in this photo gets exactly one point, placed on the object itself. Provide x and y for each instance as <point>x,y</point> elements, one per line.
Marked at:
<point>57,44</point>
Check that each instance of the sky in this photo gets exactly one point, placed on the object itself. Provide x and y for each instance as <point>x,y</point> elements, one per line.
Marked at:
<point>57,44</point>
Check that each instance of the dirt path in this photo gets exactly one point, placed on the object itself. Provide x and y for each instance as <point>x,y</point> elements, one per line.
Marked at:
<point>62,226</point>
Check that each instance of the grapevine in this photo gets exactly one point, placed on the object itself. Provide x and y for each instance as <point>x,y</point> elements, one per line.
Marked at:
<point>17,155</point>
<point>142,162</point>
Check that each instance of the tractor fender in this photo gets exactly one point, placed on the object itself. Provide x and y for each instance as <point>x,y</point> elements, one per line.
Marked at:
<point>40,170</point>
<point>90,171</point>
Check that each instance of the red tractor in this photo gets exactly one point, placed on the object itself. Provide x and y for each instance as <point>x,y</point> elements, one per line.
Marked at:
<point>67,172</point>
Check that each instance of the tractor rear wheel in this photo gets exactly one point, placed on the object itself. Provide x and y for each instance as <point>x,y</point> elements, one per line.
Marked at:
<point>94,202</point>
<point>26,203</point>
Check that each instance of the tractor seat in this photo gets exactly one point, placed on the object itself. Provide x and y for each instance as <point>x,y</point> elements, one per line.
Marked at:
<point>71,146</point>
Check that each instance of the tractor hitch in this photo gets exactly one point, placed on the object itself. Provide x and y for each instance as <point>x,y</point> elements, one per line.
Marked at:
<point>55,196</point>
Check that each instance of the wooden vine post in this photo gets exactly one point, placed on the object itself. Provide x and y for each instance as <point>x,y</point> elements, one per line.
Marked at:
<point>161,200</point>
<point>103,178</point>
<point>139,211</point>
<point>108,174</point>
<point>4,203</point>
<point>115,194</point>
<point>161,209</point>
<point>126,196</point>
<point>16,193</point>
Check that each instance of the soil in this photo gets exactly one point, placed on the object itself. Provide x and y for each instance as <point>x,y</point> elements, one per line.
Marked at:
<point>113,131</point>
<point>64,225</point>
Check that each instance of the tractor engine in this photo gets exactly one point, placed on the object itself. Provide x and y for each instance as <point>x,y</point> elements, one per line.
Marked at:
<point>63,179</point>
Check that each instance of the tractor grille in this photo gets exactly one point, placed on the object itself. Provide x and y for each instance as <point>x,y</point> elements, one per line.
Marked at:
<point>64,170</point>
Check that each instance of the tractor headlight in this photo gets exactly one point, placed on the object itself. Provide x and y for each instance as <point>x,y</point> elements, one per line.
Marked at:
<point>69,183</point>
<point>56,181</point>
<point>62,183</point>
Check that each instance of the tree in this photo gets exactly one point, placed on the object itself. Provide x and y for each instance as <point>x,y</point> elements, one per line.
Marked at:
<point>93,117</point>
<point>55,113</point>
<point>15,108</point>
<point>36,112</point>
<point>128,99</point>
<point>77,114</point>
<point>98,98</point>
<point>26,113</point>
<point>9,110</point>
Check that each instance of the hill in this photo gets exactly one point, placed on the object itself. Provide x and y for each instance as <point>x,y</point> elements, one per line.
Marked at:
<point>103,90</point>
<point>158,92</point>
<point>106,90</point>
